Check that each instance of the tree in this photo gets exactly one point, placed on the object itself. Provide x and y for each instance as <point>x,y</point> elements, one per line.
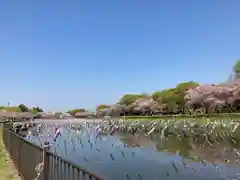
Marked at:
<point>205,99</point>
<point>181,89</point>
<point>164,96</point>
<point>102,106</point>
<point>157,95</point>
<point>23,108</point>
<point>236,69</point>
<point>128,99</point>
<point>74,111</point>
<point>186,86</point>
<point>36,110</point>
<point>172,107</point>
<point>171,100</point>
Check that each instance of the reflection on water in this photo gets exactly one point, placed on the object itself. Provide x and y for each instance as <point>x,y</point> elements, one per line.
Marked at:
<point>137,157</point>
<point>218,153</point>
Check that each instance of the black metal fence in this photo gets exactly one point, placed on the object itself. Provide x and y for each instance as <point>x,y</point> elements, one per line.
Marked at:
<point>34,163</point>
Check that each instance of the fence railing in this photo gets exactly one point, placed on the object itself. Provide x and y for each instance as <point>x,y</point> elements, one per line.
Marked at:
<point>35,163</point>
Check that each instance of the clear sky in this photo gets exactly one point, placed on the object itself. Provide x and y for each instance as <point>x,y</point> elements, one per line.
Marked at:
<point>66,54</point>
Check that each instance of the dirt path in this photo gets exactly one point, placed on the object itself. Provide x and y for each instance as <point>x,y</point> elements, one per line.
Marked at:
<point>8,171</point>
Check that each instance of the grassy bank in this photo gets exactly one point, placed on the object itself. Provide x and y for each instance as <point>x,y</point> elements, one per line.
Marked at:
<point>167,117</point>
<point>7,170</point>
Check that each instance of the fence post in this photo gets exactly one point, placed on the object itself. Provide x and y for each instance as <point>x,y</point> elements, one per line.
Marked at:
<point>45,163</point>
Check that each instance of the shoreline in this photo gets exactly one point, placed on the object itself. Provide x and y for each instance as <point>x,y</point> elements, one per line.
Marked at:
<point>220,115</point>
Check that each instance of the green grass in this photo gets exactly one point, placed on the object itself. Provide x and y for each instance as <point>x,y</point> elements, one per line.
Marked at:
<point>7,170</point>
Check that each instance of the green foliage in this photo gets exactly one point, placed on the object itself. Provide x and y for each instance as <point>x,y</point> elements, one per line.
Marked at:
<point>23,108</point>
<point>236,68</point>
<point>128,99</point>
<point>172,99</point>
<point>74,111</point>
<point>36,110</point>
<point>102,106</point>
<point>10,109</point>
<point>182,87</point>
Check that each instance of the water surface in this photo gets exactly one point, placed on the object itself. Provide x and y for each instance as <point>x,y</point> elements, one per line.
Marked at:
<point>124,156</point>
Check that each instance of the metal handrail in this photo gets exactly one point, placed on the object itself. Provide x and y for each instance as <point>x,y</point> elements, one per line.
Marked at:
<point>15,150</point>
<point>74,165</point>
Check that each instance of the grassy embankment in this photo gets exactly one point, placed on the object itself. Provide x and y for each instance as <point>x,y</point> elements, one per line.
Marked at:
<point>7,170</point>
<point>182,117</point>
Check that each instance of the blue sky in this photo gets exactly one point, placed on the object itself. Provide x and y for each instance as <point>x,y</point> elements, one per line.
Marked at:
<point>67,54</point>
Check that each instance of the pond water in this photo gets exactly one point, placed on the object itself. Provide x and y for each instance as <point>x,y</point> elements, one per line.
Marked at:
<point>139,157</point>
